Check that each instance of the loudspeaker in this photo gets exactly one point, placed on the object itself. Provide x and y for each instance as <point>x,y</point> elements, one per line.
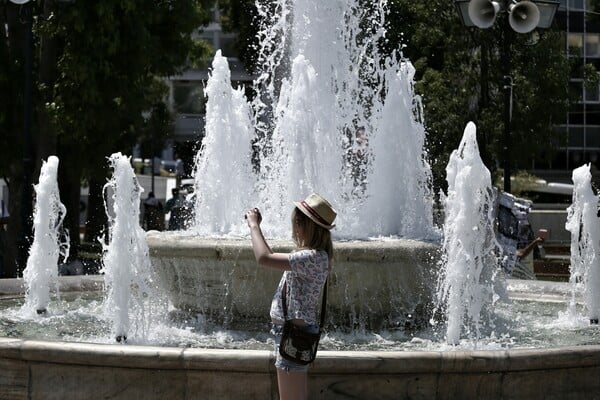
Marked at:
<point>483,12</point>
<point>523,16</point>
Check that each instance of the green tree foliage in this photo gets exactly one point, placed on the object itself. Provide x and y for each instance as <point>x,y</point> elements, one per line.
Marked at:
<point>14,25</point>
<point>109,58</point>
<point>460,76</point>
<point>11,87</point>
<point>113,55</point>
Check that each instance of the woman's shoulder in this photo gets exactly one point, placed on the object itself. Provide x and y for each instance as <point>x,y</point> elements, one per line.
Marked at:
<point>317,255</point>
<point>308,252</point>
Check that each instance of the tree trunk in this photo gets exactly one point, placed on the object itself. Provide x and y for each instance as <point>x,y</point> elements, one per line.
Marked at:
<point>19,179</point>
<point>46,138</point>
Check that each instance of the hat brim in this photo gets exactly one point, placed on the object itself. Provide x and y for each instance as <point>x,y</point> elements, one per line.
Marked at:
<point>312,218</point>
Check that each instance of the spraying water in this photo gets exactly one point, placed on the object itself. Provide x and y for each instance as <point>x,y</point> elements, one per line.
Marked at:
<point>224,179</point>
<point>41,271</point>
<point>584,225</point>
<point>466,287</point>
<point>302,146</point>
<point>322,80</point>
<point>127,269</point>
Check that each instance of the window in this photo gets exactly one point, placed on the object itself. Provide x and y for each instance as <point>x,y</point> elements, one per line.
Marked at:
<point>576,89</point>
<point>575,136</point>
<point>592,45</point>
<point>577,4</point>
<point>575,159</point>
<point>591,95</point>
<point>592,137</point>
<point>575,43</point>
<point>188,97</point>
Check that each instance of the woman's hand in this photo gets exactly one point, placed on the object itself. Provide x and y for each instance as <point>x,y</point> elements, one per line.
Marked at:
<point>253,217</point>
<point>262,252</point>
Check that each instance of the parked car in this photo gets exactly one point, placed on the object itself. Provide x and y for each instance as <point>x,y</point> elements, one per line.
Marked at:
<point>168,165</point>
<point>541,191</point>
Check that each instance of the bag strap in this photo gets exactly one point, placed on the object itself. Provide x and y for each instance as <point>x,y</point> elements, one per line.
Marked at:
<point>323,304</point>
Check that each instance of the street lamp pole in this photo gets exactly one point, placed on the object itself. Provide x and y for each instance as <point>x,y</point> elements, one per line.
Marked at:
<point>523,17</point>
<point>507,89</point>
<point>27,204</point>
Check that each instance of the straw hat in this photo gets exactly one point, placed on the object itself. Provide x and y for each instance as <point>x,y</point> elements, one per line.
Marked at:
<point>318,210</point>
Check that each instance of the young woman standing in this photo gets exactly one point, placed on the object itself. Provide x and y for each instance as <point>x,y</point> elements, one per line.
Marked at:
<point>305,273</point>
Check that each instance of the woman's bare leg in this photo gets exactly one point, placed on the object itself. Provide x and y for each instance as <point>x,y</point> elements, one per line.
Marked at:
<point>292,385</point>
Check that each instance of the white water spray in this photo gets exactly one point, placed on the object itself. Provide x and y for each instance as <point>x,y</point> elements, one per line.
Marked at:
<point>131,291</point>
<point>41,271</point>
<point>398,146</point>
<point>466,287</point>
<point>302,146</point>
<point>322,79</point>
<point>224,181</point>
<point>584,225</point>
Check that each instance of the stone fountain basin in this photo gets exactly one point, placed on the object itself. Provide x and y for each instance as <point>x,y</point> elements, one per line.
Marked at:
<point>58,370</point>
<point>48,370</point>
<point>372,281</point>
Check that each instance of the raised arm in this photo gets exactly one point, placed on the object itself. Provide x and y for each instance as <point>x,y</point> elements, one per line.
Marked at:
<point>521,253</point>
<point>262,252</point>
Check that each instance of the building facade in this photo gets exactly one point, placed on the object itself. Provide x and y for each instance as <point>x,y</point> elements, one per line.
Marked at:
<point>581,25</point>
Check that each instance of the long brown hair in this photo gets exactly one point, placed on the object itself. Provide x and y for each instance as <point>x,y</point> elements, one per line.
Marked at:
<point>315,236</point>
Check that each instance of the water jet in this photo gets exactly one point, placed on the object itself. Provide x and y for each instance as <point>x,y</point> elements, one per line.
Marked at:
<point>386,256</point>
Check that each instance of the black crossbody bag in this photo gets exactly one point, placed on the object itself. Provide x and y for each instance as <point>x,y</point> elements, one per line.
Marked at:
<point>297,345</point>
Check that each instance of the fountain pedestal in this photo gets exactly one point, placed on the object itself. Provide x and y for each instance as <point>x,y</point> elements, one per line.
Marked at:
<point>373,283</point>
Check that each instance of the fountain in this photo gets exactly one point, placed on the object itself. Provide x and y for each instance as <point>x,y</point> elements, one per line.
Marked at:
<point>337,83</point>
<point>469,268</point>
<point>584,225</point>
<point>41,271</point>
<point>386,261</point>
<point>34,368</point>
<point>127,270</point>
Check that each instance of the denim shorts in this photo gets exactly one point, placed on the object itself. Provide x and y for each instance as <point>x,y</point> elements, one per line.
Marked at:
<point>282,363</point>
